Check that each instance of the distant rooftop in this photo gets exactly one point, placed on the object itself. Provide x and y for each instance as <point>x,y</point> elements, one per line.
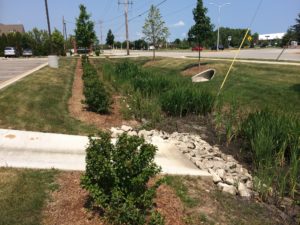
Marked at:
<point>8,28</point>
<point>271,36</point>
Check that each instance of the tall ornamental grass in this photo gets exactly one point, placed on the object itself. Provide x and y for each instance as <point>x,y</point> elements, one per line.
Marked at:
<point>274,141</point>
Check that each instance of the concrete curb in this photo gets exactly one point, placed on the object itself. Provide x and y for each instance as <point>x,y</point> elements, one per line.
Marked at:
<point>15,79</point>
<point>28,149</point>
<point>17,141</point>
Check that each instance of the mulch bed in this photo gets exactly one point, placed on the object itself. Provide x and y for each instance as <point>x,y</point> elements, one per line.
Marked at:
<point>67,205</point>
<point>78,110</point>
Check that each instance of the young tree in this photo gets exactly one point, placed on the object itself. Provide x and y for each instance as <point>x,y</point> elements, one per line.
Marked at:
<point>296,28</point>
<point>110,38</point>
<point>154,28</point>
<point>293,33</point>
<point>57,42</point>
<point>84,32</point>
<point>202,29</point>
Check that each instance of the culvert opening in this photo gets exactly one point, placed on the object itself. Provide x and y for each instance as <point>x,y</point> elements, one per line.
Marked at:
<point>204,76</point>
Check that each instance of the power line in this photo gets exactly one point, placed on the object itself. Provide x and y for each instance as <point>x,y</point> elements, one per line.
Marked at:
<point>143,13</point>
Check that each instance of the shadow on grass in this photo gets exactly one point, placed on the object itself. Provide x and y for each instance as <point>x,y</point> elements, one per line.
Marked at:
<point>295,87</point>
<point>193,65</point>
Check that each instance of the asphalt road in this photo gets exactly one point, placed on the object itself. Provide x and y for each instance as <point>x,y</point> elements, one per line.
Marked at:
<point>13,67</point>
<point>259,54</point>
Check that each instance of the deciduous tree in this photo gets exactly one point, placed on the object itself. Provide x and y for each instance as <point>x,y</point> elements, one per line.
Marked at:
<point>154,29</point>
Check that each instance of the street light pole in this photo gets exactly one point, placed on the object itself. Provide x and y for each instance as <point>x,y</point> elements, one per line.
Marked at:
<point>219,20</point>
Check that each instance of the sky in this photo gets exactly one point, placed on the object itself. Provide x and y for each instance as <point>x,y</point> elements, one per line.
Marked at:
<point>274,16</point>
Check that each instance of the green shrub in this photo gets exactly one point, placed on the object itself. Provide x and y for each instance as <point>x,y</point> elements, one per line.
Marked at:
<point>116,178</point>
<point>274,141</point>
<point>96,97</point>
<point>97,52</point>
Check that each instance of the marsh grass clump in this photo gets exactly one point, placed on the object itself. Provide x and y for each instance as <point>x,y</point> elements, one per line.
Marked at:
<point>274,141</point>
<point>187,100</point>
<point>174,94</point>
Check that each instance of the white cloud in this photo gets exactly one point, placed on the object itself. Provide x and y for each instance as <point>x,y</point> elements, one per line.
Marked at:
<point>180,23</point>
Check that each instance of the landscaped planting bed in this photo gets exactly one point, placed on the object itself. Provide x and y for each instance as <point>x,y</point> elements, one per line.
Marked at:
<point>268,138</point>
<point>96,97</point>
<point>173,95</point>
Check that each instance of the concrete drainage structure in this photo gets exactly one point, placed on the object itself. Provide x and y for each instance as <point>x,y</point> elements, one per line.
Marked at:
<point>204,76</point>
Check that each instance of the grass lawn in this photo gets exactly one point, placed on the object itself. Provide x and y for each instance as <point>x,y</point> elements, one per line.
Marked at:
<point>23,194</point>
<point>252,86</point>
<point>39,102</point>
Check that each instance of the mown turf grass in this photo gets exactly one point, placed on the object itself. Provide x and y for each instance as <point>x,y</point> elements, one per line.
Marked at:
<point>23,194</point>
<point>39,102</point>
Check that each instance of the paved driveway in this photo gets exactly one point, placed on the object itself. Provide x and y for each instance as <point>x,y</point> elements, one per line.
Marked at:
<point>265,54</point>
<point>11,68</point>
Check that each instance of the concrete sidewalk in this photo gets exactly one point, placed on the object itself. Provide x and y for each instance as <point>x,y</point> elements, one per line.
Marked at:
<point>27,149</point>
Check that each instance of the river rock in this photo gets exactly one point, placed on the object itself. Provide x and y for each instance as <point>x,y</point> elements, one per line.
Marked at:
<point>244,191</point>
<point>227,188</point>
<point>126,128</point>
<point>216,178</point>
<point>221,173</point>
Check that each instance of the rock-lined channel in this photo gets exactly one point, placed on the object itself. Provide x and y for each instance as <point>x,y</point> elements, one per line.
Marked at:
<point>227,173</point>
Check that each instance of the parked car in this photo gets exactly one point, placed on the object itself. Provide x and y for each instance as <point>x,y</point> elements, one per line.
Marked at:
<point>197,48</point>
<point>151,47</point>
<point>221,47</point>
<point>83,51</point>
<point>27,52</point>
<point>10,52</point>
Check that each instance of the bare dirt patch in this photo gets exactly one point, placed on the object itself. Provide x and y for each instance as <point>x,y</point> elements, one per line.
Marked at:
<point>78,110</point>
<point>169,205</point>
<point>67,204</point>
<point>194,70</point>
<point>215,207</point>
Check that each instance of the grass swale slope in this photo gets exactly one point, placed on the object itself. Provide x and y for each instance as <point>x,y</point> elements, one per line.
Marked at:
<point>39,102</point>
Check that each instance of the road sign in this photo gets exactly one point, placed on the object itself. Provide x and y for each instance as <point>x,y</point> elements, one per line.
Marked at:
<point>229,38</point>
<point>249,38</point>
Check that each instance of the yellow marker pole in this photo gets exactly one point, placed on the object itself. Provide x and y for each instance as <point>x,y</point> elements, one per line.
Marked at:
<point>233,61</point>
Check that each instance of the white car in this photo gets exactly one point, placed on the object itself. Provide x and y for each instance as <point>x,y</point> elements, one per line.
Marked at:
<point>10,52</point>
<point>27,52</point>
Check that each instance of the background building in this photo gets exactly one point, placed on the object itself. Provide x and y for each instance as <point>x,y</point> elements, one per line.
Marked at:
<point>9,28</point>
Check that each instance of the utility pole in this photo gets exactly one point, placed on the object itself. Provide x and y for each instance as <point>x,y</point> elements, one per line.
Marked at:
<point>49,29</point>
<point>63,23</point>
<point>100,23</point>
<point>126,3</point>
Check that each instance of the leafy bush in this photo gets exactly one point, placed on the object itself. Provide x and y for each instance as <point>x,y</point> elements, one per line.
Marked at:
<point>117,175</point>
<point>97,52</point>
<point>96,97</point>
<point>274,141</point>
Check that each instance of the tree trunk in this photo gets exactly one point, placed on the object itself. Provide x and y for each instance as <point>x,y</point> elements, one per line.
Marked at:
<point>199,59</point>
<point>199,55</point>
<point>153,54</point>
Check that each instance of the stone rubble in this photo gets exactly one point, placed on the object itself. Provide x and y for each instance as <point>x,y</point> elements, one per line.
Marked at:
<point>227,173</point>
